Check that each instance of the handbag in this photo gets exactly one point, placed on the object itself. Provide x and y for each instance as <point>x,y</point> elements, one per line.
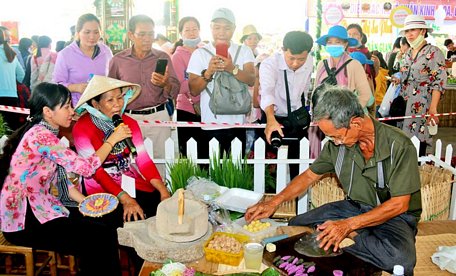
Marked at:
<point>388,98</point>
<point>229,96</point>
<point>298,119</point>
<point>398,107</point>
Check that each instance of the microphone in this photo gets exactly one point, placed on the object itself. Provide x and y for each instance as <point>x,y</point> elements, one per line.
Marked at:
<point>117,120</point>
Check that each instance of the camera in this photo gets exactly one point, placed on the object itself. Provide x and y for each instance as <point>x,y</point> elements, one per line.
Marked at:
<point>276,139</point>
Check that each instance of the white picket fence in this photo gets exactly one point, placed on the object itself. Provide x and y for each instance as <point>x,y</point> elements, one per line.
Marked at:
<point>259,162</point>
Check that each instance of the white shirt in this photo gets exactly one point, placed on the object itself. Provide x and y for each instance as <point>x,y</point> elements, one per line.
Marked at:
<point>272,83</point>
<point>200,61</point>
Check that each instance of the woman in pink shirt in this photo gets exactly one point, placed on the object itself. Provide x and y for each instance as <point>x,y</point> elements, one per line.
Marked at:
<point>33,159</point>
<point>189,29</point>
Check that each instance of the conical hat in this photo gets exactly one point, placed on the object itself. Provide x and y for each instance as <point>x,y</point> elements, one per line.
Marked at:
<point>101,84</point>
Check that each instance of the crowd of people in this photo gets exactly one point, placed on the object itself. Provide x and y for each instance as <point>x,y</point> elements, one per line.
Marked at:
<point>85,76</point>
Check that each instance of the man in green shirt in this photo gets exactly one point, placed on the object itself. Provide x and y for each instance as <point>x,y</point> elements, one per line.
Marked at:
<point>378,168</point>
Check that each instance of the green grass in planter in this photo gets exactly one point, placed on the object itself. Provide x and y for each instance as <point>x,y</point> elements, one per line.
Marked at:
<point>231,175</point>
<point>181,170</point>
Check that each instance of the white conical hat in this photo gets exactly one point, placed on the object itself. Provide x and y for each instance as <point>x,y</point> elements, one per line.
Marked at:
<point>101,84</point>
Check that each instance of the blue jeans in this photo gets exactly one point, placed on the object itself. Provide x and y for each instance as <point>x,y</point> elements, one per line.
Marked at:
<point>384,245</point>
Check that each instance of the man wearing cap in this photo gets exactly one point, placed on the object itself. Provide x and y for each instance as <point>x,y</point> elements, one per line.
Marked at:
<point>288,70</point>
<point>137,65</point>
<point>203,66</point>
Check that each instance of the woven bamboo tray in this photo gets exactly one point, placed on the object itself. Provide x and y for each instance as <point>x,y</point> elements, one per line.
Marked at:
<point>286,210</point>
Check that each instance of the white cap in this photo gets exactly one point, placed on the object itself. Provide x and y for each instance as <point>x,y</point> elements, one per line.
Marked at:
<point>398,270</point>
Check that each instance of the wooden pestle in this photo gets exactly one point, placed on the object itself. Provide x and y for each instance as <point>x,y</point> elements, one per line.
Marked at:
<point>180,207</point>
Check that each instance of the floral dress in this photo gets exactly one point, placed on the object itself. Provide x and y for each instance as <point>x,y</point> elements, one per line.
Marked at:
<point>427,74</point>
<point>33,170</point>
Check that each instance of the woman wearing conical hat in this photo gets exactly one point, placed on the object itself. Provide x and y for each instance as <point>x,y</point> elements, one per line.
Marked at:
<point>104,98</point>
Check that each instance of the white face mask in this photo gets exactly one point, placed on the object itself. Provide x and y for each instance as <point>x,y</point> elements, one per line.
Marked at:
<point>191,42</point>
<point>417,42</point>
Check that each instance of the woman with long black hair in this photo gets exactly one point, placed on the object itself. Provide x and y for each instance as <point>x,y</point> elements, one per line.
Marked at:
<point>32,161</point>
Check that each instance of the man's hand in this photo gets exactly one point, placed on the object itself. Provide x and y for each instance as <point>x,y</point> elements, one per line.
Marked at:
<point>227,64</point>
<point>333,233</point>
<point>260,210</point>
<point>159,79</point>
<point>271,126</point>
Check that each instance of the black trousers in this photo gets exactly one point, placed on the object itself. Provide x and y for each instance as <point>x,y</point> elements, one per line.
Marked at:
<point>185,133</point>
<point>292,139</point>
<point>224,136</point>
<point>94,243</point>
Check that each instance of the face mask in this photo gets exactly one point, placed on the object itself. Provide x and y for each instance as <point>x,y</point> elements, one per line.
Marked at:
<point>417,42</point>
<point>193,43</point>
<point>335,50</point>
<point>97,113</point>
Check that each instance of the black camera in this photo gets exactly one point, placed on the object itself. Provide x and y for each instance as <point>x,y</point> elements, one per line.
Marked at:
<point>276,139</point>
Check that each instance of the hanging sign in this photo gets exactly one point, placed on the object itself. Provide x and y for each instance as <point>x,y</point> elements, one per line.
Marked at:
<point>398,16</point>
<point>333,15</point>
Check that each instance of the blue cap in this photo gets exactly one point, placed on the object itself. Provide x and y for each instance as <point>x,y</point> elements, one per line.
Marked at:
<point>339,32</point>
<point>361,58</point>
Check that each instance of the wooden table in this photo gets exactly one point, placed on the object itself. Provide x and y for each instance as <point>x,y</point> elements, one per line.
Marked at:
<point>424,229</point>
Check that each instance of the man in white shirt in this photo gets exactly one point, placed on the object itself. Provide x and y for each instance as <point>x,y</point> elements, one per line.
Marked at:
<point>202,67</point>
<point>298,65</point>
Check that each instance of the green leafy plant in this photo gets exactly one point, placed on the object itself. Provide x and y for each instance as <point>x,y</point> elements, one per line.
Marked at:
<point>4,129</point>
<point>180,171</point>
<point>231,174</point>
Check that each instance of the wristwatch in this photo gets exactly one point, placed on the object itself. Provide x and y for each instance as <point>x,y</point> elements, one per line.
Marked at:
<point>204,78</point>
<point>235,70</point>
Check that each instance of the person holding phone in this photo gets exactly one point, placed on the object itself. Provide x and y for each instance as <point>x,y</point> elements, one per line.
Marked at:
<point>214,57</point>
<point>146,66</point>
<point>187,106</point>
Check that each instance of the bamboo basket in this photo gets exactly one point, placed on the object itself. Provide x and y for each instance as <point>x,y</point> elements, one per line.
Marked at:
<point>325,190</point>
<point>435,192</point>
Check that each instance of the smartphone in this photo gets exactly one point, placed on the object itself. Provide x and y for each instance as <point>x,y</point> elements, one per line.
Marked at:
<point>161,66</point>
<point>221,49</point>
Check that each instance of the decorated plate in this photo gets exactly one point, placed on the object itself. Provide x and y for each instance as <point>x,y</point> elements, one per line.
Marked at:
<point>97,205</point>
